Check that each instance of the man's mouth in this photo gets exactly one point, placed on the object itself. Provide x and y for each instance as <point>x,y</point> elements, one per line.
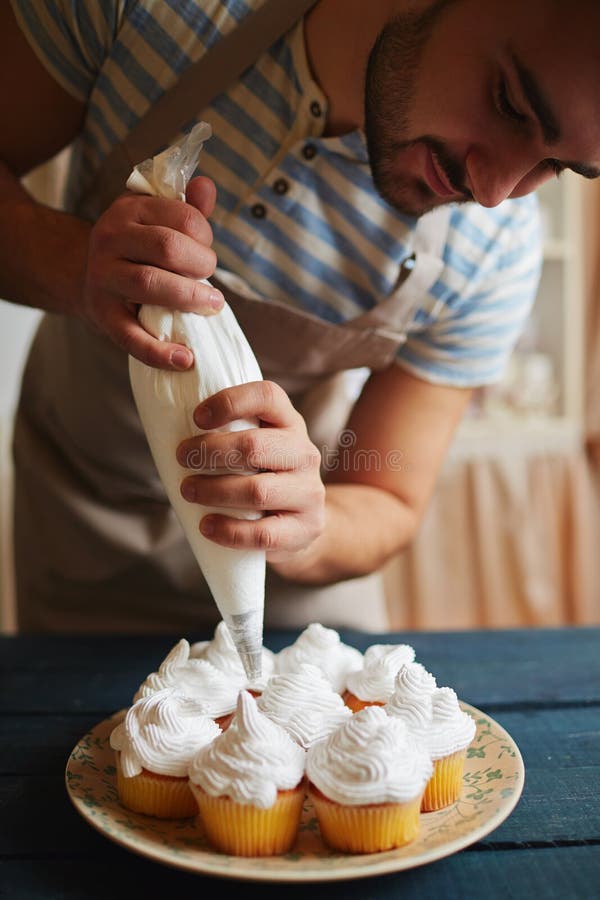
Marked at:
<point>436,178</point>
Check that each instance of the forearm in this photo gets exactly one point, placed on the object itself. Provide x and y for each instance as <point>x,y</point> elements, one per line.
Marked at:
<point>364,527</point>
<point>42,251</point>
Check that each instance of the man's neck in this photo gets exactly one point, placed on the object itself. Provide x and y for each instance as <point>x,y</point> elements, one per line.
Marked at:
<point>339,35</point>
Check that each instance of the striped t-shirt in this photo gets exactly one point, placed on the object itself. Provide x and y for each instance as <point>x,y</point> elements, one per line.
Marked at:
<point>297,214</point>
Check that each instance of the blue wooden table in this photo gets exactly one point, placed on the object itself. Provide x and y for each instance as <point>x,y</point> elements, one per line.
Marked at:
<point>542,686</point>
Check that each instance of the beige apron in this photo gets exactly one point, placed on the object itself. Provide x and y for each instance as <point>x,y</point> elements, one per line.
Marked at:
<point>97,545</point>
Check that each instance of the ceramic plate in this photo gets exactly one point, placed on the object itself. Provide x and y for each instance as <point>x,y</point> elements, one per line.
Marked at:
<point>492,784</point>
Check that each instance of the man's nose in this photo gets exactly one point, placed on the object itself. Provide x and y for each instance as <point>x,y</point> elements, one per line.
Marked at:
<point>492,177</point>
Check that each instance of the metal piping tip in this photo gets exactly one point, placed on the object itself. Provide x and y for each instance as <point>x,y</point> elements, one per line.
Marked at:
<point>252,663</point>
<point>246,630</point>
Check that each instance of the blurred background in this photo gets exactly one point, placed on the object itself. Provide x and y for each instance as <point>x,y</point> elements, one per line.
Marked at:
<point>511,537</point>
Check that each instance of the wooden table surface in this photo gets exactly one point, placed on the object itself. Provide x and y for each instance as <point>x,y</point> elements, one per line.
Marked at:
<point>542,686</point>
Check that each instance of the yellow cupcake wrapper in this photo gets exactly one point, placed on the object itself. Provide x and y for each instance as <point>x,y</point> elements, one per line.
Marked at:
<point>244,830</point>
<point>160,796</point>
<point>366,829</point>
<point>445,785</point>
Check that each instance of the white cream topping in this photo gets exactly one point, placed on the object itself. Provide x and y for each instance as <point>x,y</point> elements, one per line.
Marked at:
<point>371,758</point>
<point>161,733</point>
<point>451,728</point>
<point>251,761</point>
<point>412,684</point>
<point>196,678</point>
<point>411,698</point>
<point>395,654</point>
<point>304,703</point>
<point>322,647</point>
<point>221,652</point>
<point>381,662</point>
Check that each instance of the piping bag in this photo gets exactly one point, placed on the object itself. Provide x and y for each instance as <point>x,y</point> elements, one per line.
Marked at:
<point>166,401</point>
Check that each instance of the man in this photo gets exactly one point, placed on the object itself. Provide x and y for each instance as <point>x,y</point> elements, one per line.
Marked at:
<point>357,175</point>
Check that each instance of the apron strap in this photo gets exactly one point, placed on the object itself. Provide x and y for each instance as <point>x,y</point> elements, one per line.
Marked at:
<point>195,89</point>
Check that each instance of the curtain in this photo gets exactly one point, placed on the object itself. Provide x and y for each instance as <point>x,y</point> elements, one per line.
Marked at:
<point>591,252</point>
<point>507,542</point>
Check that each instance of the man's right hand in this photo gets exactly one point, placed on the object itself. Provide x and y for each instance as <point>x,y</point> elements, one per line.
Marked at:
<point>148,250</point>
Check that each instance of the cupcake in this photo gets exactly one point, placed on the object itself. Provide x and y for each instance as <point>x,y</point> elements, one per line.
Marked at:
<point>374,682</point>
<point>249,785</point>
<point>321,647</point>
<point>304,703</point>
<point>450,732</point>
<point>221,652</point>
<point>154,746</point>
<point>366,782</point>
<point>215,689</point>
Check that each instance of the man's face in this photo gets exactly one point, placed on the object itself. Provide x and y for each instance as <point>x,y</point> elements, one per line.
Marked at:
<point>482,100</point>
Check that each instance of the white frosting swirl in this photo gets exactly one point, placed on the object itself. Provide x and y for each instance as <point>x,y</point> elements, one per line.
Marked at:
<point>413,681</point>
<point>395,654</point>
<point>411,698</point>
<point>251,761</point>
<point>451,728</point>
<point>196,678</point>
<point>381,662</point>
<point>221,652</point>
<point>304,703</point>
<point>371,758</point>
<point>161,733</point>
<point>323,648</point>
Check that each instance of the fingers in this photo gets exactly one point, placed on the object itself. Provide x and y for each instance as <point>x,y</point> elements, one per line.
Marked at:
<point>149,231</point>
<point>263,399</point>
<point>286,485</point>
<point>121,324</point>
<point>277,533</point>
<point>135,283</point>
<point>148,250</point>
<point>152,211</point>
<point>267,492</point>
<point>202,193</point>
<point>169,249</point>
<point>249,451</point>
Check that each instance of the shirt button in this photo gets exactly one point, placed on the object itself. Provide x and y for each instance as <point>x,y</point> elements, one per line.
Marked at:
<point>258,211</point>
<point>281,186</point>
<point>315,108</point>
<point>309,151</point>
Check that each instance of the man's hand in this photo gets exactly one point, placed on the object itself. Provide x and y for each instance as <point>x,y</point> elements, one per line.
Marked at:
<point>148,250</point>
<point>363,515</point>
<point>274,469</point>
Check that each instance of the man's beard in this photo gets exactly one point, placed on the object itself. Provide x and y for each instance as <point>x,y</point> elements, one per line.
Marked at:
<point>390,88</point>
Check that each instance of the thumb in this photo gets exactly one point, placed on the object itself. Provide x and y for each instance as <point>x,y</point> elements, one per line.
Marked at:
<point>202,193</point>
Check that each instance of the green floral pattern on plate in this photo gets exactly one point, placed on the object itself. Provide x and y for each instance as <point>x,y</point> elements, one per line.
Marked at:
<point>492,784</point>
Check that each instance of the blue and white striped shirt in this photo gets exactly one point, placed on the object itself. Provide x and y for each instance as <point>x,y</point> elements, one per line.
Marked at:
<point>297,214</point>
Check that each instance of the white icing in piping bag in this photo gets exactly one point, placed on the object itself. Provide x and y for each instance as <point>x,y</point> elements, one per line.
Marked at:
<point>166,400</point>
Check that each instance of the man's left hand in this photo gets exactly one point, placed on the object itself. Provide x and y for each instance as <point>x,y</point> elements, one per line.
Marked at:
<point>273,469</point>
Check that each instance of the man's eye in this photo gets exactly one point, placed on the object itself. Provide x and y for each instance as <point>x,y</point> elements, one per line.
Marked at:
<point>505,107</point>
<point>555,166</point>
